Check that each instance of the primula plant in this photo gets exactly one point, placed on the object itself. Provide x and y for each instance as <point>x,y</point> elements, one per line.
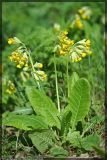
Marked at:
<point>51,128</point>
<point>54,127</point>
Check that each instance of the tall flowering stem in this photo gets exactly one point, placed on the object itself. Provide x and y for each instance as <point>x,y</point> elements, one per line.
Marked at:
<point>56,83</point>
<point>67,74</point>
<point>39,87</point>
<point>31,61</point>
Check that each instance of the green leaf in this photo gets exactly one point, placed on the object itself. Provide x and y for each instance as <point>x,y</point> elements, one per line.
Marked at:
<point>72,80</point>
<point>42,140</point>
<point>87,143</point>
<point>23,110</point>
<point>43,105</point>
<point>79,101</point>
<point>100,151</point>
<point>65,122</point>
<point>58,151</point>
<point>74,138</point>
<point>24,122</point>
<point>91,141</point>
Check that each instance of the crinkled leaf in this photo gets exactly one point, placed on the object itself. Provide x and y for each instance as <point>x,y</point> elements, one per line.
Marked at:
<point>42,140</point>
<point>24,122</point>
<point>72,80</point>
<point>43,105</point>
<point>58,151</point>
<point>79,101</point>
<point>87,143</point>
<point>24,110</point>
<point>91,141</point>
<point>65,122</point>
<point>74,138</point>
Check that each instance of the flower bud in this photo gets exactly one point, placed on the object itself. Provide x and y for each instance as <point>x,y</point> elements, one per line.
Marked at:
<point>14,40</point>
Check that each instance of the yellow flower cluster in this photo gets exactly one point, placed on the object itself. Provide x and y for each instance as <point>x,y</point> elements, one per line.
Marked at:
<point>11,88</point>
<point>85,12</point>
<point>77,23</point>
<point>64,44</point>
<point>40,75</point>
<point>81,50</point>
<point>20,59</point>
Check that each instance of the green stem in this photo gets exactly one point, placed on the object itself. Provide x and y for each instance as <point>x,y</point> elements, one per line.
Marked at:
<point>31,62</point>
<point>67,74</point>
<point>29,57</point>
<point>86,130</point>
<point>33,69</point>
<point>56,82</point>
<point>17,139</point>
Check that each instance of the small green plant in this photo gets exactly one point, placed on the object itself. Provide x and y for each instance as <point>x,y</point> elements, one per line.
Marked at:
<point>56,116</point>
<point>53,130</point>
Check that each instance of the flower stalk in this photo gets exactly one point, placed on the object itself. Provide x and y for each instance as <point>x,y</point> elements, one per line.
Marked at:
<point>56,83</point>
<point>33,69</point>
<point>67,74</point>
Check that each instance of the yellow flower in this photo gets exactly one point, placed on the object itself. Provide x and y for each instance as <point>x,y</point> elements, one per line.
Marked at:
<point>85,12</point>
<point>71,42</point>
<point>85,17</point>
<point>20,65</point>
<point>11,88</point>
<point>11,41</point>
<point>88,43</point>
<point>61,52</point>
<point>15,57</point>
<point>14,40</point>
<point>38,65</point>
<point>79,59</point>
<point>83,54</point>
<point>65,32</point>
<point>64,44</point>
<point>81,11</point>
<point>20,59</point>
<point>75,57</point>
<point>80,50</point>
<point>40,75</point>
<point>44,77</point>
<point>78,23</point>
